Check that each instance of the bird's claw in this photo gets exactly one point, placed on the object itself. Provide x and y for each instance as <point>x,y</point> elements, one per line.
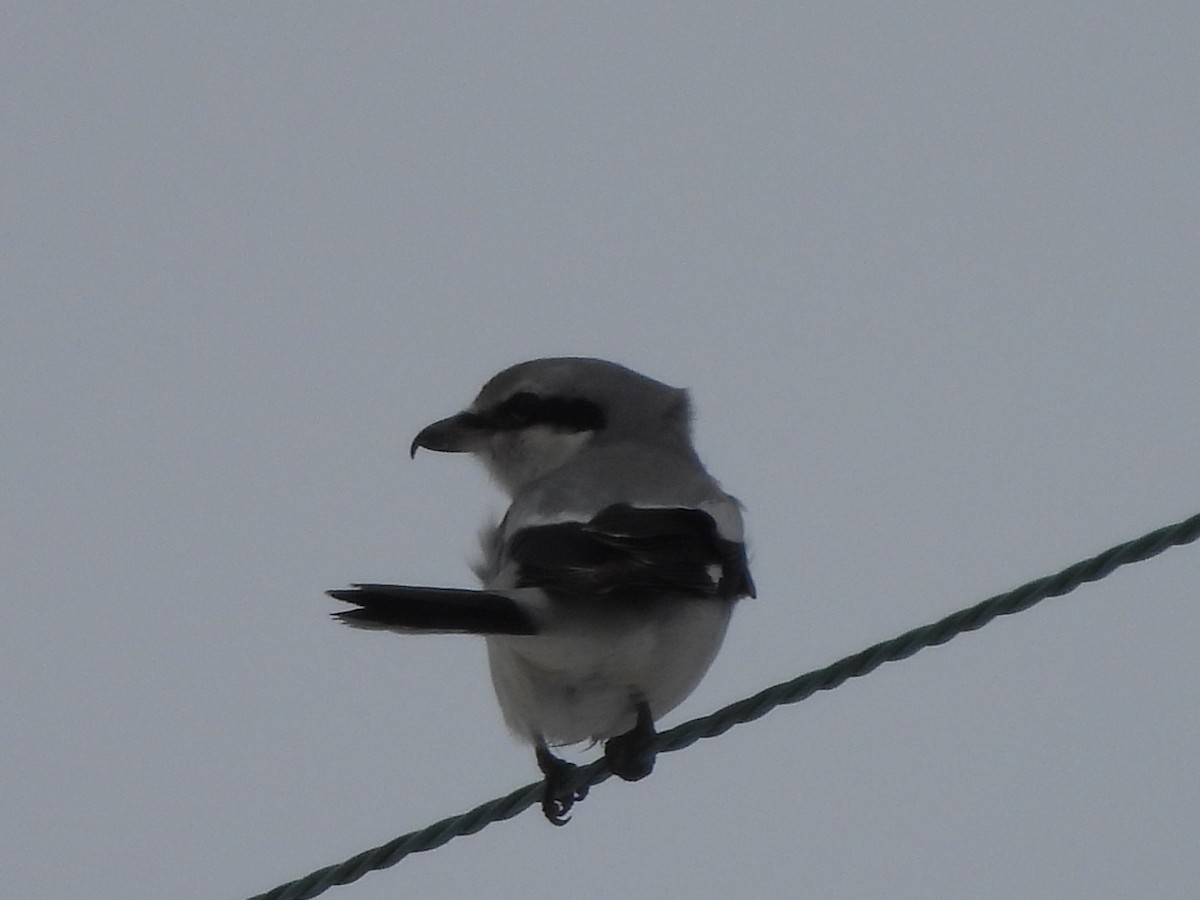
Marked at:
<point>557,797</point>
<point>629,755</point>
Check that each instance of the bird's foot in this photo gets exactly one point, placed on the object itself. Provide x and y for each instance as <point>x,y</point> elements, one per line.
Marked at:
<point>629,755</point>
<point>558,798</point>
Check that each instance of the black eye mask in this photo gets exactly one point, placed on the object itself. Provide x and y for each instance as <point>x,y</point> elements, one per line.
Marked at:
<point>523,409</point>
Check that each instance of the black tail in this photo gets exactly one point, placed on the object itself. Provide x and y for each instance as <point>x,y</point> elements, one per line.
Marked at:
<point>405,608</point>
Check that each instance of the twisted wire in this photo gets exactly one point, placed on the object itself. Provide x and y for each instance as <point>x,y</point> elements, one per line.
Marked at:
<point>754,707</point>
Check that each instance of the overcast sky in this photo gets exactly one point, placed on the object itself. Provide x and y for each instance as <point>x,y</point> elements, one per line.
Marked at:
<point>930,270</point>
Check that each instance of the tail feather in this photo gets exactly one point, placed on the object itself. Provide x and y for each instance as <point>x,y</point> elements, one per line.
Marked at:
<point>396,607</point>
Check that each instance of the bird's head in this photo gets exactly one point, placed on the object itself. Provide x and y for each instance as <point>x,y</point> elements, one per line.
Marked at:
<point>533,417</point>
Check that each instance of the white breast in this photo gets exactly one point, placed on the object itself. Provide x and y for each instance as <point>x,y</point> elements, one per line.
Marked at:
<point>582,681</point>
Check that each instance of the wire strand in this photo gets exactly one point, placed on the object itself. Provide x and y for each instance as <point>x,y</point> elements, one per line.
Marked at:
<point>751,708</point>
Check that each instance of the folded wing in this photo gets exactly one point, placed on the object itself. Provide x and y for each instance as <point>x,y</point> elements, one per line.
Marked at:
<point>629,552</point>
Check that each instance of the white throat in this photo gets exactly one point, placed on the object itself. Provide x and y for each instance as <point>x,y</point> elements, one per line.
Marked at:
<point>515,458</point>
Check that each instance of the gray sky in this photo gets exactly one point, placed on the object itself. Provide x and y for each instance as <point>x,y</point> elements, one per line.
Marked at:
<point>930,270</point>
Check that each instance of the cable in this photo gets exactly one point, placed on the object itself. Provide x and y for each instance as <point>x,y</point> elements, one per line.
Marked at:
<point>754,707</point>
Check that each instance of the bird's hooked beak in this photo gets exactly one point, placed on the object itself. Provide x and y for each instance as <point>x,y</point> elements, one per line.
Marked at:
<point>460,433</point>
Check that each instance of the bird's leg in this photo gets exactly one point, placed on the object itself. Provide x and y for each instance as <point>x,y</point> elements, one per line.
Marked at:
<point>557,799</point>
<point>629,755</point>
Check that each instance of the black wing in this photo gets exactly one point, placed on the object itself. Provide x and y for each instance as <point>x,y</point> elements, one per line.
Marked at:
<point>628,551</point>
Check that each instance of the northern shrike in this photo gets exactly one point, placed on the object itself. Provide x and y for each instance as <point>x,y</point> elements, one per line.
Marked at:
<point>608,584</point>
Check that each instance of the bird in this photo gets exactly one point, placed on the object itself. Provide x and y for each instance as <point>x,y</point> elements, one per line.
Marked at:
<point>608,585</point>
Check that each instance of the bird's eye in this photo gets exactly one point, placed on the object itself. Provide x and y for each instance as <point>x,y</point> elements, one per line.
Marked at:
<point>520,409</point>
<point>523,401</point>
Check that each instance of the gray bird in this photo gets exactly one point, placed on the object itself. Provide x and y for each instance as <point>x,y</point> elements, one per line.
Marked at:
<point>608,584</point>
